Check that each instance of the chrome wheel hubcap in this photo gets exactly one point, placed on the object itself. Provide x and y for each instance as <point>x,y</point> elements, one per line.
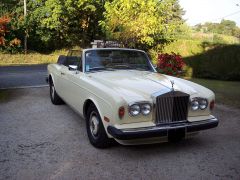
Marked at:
<point>94,124</point>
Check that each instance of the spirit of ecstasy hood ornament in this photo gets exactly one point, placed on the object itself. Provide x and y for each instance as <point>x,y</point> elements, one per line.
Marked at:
<point>172,82</point>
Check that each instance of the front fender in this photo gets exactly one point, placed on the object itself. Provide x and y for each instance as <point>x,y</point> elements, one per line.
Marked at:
<point>105,110</point>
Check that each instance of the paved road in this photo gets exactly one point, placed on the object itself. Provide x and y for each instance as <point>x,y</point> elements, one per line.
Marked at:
<point>41,141</point>
<point>22,76</point>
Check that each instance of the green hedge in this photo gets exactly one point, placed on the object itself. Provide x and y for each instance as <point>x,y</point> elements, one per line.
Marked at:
<point>221,62</point>
<point>184,47</point>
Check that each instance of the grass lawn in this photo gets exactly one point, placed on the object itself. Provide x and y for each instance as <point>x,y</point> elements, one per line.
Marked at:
<point>227,92</point>
<point>30,58</point>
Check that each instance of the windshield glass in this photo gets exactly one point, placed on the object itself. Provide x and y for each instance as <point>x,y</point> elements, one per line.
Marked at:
<point>110,60</point>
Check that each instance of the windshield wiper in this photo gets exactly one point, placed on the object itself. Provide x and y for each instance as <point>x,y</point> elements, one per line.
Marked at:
<point>100,69</point>
<point>141,69</point>
<point>119,66</point>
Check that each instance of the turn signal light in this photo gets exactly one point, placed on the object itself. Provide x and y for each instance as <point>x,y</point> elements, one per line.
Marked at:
<point>212,105</point>
<point>121,112</point>
<point>106,119</point>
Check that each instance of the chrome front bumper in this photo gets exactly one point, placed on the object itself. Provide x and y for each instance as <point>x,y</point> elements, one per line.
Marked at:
<point>162,130</point>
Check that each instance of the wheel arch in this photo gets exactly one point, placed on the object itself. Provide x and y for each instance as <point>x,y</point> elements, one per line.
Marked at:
<point>87,104</point>
<point>101,112</point>
<point>50,78</point>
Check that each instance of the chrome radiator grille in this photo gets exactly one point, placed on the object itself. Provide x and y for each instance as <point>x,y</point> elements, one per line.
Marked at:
<point>171,107</point>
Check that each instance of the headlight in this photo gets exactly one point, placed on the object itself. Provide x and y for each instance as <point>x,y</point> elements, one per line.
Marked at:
<point>195,105</point>
<point>203,103</point>
<point>134,109</point>
<point>145,109</point>
<point>199,103</point>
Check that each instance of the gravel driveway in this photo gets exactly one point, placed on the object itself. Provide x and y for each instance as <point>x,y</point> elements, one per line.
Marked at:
<point>41,141</point>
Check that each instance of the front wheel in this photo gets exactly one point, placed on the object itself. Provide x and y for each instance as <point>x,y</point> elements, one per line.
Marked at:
<point>56,100</point>
<point>95,130</point>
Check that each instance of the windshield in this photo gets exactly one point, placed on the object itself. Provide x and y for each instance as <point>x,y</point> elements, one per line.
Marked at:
<point>110,60</point>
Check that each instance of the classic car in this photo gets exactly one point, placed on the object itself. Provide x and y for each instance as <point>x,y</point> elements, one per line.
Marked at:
<point>121,96</point>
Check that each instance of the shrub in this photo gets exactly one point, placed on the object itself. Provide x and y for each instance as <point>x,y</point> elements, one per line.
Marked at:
<point>221,63</point>
<point>170,64</point>
<point>3,29</point>
<point>8,42</point>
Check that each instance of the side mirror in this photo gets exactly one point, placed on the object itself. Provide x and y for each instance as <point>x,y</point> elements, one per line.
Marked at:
<point>72,67</point>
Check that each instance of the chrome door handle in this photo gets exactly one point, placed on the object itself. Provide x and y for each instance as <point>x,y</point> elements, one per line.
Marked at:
<point>62,73</point>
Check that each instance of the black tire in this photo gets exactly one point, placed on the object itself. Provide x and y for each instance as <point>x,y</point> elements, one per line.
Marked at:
<point>99,139</point>
<point>56,100</point>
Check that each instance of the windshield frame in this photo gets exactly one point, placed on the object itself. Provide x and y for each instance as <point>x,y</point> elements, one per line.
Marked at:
<point>152,69</point>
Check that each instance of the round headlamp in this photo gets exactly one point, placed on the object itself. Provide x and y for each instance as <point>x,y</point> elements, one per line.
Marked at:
<point>195,105</point>
<point>203,103</point>
<point>134,109</point>
<point>145,109</point>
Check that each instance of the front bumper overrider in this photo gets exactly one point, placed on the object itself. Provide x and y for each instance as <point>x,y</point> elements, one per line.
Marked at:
<point>161,130</point>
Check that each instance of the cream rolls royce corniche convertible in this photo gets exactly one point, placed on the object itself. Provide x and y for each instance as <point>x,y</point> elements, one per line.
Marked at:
<point>121,96</point>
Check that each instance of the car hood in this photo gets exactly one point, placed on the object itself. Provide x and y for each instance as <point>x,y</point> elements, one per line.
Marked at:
<point>141,84</point>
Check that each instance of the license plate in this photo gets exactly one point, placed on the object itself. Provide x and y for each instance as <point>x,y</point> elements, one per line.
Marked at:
<point>177,134</point>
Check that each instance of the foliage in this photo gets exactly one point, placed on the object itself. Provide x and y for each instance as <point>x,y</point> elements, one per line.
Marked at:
<point>7,6</point>
<point>226,27</point>
<point>197,47</point>
<point>171,64</point>
<point>192,43</point>
<point>221,62</point>
<point>184,47</point>
<point>215,38</point>
<point>54,24</point>
<point>7,40</point>
<point>141,22</point>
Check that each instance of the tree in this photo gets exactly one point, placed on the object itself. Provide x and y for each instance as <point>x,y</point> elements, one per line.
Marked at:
<point>178,11</point>
<point>53,24</point>
<point>145,22</point>
<point>226,27</point>
<point>60,23</point>
<point>8,42</point>
<point>71,21</point>
<point>7,6</point>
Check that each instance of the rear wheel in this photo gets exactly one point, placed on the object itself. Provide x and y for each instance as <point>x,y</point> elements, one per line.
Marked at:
<point>95,130</point>
<point>56,100</point>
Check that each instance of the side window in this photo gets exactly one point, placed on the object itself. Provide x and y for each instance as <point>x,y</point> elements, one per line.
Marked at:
<point>74,57</point>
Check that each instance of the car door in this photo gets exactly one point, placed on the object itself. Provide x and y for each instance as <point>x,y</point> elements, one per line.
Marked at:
<point>72,81</point>
<point>62,78</point>
<point>62,81</point>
